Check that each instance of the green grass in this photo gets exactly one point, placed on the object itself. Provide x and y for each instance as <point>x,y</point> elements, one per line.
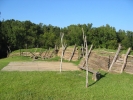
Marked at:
<point>64,86</point>
<point>5,61</point>
<point>69,85</point>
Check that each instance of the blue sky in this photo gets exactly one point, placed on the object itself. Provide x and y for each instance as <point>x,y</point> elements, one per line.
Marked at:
<point>62,13</point>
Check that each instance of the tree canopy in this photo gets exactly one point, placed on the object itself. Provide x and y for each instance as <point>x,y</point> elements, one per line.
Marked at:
<point>16,34</point>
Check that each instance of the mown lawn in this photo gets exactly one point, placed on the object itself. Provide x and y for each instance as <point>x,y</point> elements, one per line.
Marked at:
<point>62,86</point>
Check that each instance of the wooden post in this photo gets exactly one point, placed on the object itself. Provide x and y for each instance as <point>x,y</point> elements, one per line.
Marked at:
<point>79,52</point>
<point>83,41</point>
<point>62,35</point>
<point>125,59</point>
<point>72,53</point>
<point>86,63</point>
<point>116,55</point>
<point>90,50</point>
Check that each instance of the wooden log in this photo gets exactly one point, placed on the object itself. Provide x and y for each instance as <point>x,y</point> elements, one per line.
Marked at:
<point>130,56</point>
<point>87,75</point>
<point>64,49</point>
<point>45,54</point>
<point>116,55</point>
<point>62,35</point>
<point>96,75</point>
<point>51,54</point>
<point>41,53</point>
<point>72,53</point>
<point>88,55</point>
<point>83,38</point>
<point>32,54</point>
<point>90,50</point>
<point>125,60</point>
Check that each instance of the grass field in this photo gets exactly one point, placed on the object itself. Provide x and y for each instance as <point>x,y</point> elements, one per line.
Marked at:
<point>62,86</point>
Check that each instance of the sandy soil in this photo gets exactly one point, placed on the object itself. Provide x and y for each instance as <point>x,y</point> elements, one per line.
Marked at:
<point>39,66</point>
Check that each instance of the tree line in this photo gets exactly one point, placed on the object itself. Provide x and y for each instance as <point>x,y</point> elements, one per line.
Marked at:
<point>15,34</point>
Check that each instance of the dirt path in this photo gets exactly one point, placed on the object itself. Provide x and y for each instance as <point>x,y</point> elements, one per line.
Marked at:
<point>39,66</point>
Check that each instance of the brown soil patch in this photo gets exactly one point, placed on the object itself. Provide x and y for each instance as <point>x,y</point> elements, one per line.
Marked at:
<point>39,66</point>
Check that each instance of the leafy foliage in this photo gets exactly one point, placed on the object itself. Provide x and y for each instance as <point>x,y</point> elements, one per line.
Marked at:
<point>17,34</point>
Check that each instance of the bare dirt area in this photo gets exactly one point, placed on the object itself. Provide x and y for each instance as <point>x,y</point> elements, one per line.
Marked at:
<point>39,66</point>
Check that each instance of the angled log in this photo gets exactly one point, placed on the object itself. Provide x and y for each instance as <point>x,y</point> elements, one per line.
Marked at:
<point>90,50</point>
<point>64,48</point>
<point>32,54</point>
<point>41,53</point>
<point>51,53</point>
<point>125,60</point>
<point>116,55</point>
<point>72,53</point>
<point>88,55</point>
<point>96,75</point>
<point>45,54</point>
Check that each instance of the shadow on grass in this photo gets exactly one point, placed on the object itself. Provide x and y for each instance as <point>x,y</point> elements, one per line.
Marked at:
<point>101,76</point>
